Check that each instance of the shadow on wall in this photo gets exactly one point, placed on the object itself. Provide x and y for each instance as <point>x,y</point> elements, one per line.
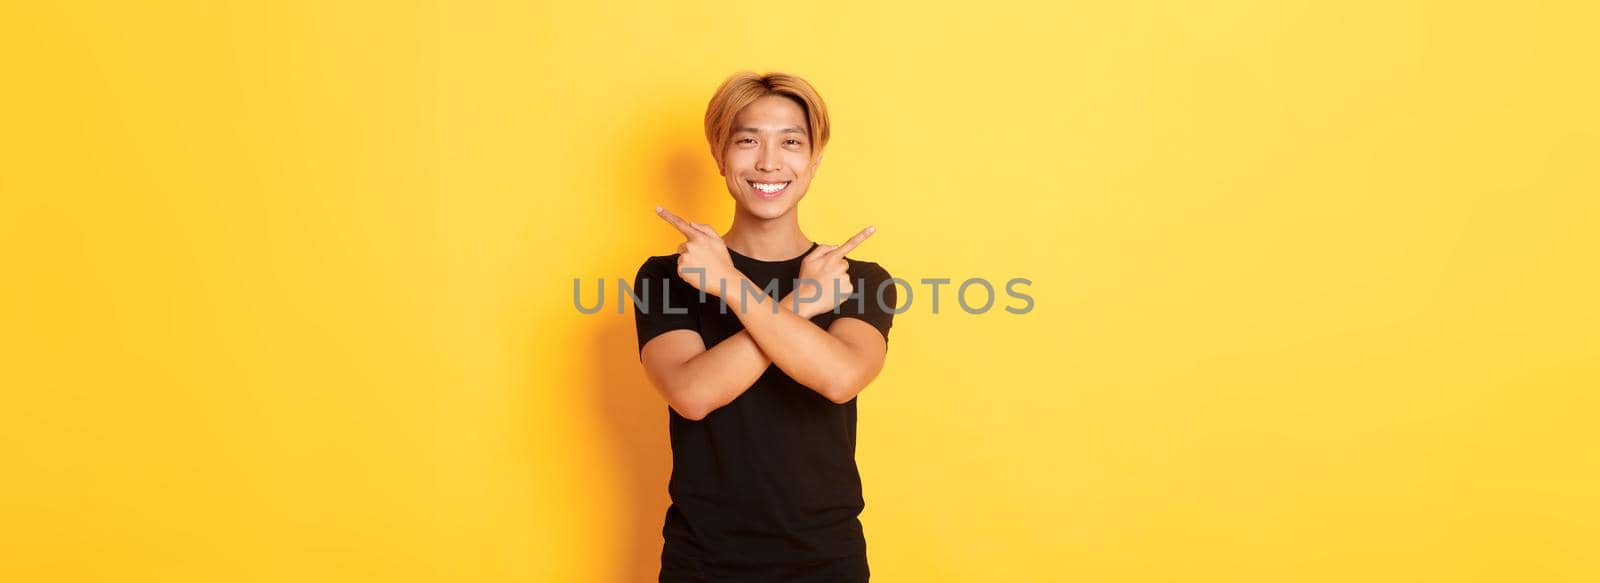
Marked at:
<point>632,415</point>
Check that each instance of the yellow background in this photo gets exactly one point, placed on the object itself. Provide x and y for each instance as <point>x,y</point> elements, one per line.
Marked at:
<point>287,286</point>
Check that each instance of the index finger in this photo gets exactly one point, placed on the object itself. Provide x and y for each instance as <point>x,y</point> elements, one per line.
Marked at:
<point>856,240</point>
<point>680,224</point>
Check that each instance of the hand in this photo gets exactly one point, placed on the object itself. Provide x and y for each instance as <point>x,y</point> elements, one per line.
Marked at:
<point>824,277</point>
<point>703,259</point>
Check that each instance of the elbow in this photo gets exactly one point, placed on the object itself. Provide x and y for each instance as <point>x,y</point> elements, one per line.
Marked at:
<point>844,388</point>
<point>689,405</point>
<point>684,394</point>
<point>690,411</point>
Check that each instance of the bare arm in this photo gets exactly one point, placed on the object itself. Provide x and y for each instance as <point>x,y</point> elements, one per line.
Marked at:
<point>696,380</point>
<point>836,363</point>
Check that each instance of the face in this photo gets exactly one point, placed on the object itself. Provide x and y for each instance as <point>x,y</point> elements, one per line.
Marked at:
<point>767,162</point>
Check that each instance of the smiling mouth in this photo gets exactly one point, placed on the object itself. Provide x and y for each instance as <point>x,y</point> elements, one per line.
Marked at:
<point>768,189</point>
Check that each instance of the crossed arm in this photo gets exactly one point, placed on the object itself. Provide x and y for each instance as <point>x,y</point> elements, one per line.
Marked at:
<point>837,363</point>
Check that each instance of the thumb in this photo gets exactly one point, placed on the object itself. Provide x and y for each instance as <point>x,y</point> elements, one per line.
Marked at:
<point>704,228</point>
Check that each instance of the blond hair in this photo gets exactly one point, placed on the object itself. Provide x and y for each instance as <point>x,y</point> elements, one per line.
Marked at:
<point>743,88</point>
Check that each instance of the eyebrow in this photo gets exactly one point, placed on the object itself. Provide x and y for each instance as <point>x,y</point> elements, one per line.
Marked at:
<point>787,130</point>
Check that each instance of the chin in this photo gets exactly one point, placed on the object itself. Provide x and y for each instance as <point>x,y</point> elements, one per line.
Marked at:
<point>767,210</point>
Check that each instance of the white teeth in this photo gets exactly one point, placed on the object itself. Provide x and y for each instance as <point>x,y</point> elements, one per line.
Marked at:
<point>769,188</point>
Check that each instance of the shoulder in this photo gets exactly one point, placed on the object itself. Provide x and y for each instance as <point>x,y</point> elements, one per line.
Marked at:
<point>866,269</point>
<point>657,265</point>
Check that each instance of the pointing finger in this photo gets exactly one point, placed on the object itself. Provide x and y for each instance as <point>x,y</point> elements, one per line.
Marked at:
<point>681,225</point>
<point>820,252</point>
<point>856,240</point>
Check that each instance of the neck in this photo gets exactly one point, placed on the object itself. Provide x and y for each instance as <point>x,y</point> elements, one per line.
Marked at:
<point>774,239</point>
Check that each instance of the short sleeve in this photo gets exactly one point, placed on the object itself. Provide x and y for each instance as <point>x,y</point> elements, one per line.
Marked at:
<point>663,300</point>
<point>879,296</point>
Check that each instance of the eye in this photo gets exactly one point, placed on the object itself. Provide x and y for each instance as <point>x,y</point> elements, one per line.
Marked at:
<point>743,140</point>
<point>794,141</point>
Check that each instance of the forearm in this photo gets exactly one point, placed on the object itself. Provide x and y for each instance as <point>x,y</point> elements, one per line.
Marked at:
<point>717,376</point>
<point>713,378</point>
<point>803,350</point>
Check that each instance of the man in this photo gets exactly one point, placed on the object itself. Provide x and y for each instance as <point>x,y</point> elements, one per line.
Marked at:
<point>759,340</point>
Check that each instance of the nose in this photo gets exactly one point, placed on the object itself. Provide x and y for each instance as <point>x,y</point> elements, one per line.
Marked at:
<point>768,160</point>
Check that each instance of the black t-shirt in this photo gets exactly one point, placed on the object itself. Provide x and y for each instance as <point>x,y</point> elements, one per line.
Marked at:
<point>768,481</point>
